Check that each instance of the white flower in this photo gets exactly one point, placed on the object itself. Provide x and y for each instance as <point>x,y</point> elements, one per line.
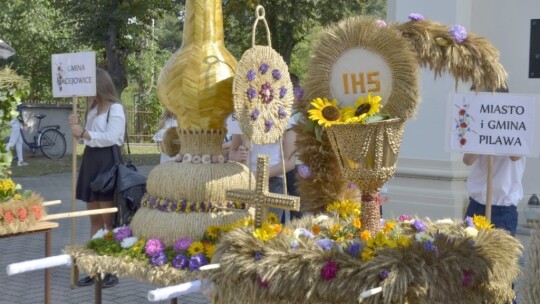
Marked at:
<point>320,219</point>
<point>221,159</point>
<point>187,158</point>
<point>206,159</point>
<point>196,159</point>
<point>423,237</point>
<point>409,222</point>
<point>471,232</point>
<point>100,234</point>
<point>129,242</point>
<point>178,158</point>
<point>445,221</point>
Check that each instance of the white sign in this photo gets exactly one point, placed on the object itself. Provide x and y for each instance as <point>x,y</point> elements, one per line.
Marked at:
<point>232,125</point>
<point>494,124</point>
<point>74,74</point>
<point>358,72</point>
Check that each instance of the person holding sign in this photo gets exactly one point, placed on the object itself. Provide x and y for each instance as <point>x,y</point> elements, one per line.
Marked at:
<point>103,130</point>
<point>507,188</point>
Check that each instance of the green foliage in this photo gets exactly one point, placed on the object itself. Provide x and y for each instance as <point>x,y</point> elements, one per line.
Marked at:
<point>35,29</point>
<point>105,246</point>
<point>13,89</point>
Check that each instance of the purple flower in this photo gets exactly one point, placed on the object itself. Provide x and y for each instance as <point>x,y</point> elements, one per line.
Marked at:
<point>419,225</point>
<point>122,233</point>
<point>255,114</point>
<point>325,243</point>
<point>298,93</point>
<point>182,244</point>
<point>197,261</point>
<point>351,186</point>
<point>258,256</point>
<point>251,74</point>
<point>384,274</point>
<point>469,221</point>
<point>354,250</point>
<point>282,92</point>
<point>429,246</point>
<point>268,124</point>
<point>281,112</point>
<point>264,68</point>
<point>276,74</point>
<point>305,233</point>
<point>381,23</point>
<point>266,93</point>
<point>154,246</point>
<point>459,33</point>
<point>404,217</point>
<point>294,245</point>
<point>263,283</point>
<point>180,262</point>
<point>251,93</point>
<point>416,17</point>
<point>304,171</point>
<point>159,259</point>
<point>329,270</point>
<point>467,278</point>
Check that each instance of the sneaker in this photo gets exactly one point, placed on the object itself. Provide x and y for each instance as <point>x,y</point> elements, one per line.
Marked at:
<point>110,280</point>
<point>85,280</point>
<point>20,164</point>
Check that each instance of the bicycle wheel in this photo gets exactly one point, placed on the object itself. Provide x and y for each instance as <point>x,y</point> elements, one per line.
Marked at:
<point>52,143</point>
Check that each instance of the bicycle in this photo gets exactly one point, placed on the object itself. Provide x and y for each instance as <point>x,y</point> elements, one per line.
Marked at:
<point>48,139</point>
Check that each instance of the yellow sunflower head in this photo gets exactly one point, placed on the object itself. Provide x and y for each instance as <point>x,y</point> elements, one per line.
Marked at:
<point>325,112</point>
<point>365,107</point>
<point>196,247</point>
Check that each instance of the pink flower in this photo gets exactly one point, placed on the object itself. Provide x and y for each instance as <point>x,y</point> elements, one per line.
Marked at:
<point>381,23</point>
<point>404,217</point>
<point>22,212</point>
<point>329,270</point>
<point>36,209</point>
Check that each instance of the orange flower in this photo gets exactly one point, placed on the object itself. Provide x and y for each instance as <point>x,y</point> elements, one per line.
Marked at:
<point>357,223</point>
<point>365,235</point>
<point>22,212</point>
<point>108,236</point>
<point>389,226</point>
<point>278,228</point>
<point>8,216</point>
<point>37,211</point>
<point>316,229</point>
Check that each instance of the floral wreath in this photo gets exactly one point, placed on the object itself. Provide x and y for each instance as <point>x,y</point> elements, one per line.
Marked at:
<point>263,92</point>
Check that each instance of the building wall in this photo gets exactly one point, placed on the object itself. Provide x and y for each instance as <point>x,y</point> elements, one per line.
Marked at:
<point>430,179</point>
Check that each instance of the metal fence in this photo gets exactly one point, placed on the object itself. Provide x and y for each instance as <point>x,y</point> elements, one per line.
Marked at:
<point>141,127</point>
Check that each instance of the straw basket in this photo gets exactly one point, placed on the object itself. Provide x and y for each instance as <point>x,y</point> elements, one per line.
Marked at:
<point>367,155</point>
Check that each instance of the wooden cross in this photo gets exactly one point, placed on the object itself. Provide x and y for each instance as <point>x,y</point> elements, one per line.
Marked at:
<point>260,197</point>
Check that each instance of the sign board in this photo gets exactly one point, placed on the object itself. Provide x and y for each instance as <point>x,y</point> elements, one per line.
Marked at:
<point>494,124</point>
<point>358,72</point>
<point>74,74</point>
<point>232,125</point>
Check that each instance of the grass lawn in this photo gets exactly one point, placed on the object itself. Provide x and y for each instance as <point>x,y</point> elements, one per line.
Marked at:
<point>141,154</point>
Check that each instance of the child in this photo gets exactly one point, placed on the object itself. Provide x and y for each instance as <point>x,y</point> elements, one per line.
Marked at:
<point>15,140</point>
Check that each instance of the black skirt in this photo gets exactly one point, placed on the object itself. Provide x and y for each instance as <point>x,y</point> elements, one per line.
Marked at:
<point>94,162</point>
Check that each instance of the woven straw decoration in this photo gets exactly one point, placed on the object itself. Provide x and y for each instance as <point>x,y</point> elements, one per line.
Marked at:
<point>262,90</point>
<point>170,144</point>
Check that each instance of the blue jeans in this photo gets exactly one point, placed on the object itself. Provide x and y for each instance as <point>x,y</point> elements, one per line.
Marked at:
<point>505,217</point>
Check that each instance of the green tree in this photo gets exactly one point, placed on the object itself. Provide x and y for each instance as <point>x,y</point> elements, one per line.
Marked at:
<point>290,22</point>
<point>116,27</point>
<point>36,29</point>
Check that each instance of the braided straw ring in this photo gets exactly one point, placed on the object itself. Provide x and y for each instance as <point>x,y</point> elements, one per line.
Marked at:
<point>262,91</point>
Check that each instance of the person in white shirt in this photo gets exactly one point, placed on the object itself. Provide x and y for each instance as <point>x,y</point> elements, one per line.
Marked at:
<point>168,120</point>
<point>103,134</point>
<point>15,139</point>
<point>507,189</point>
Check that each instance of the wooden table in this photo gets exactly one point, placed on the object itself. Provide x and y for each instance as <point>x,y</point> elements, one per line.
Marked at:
<point>46,228</point>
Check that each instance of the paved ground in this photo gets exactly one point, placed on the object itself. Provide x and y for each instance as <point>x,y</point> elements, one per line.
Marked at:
<point>28,287</point>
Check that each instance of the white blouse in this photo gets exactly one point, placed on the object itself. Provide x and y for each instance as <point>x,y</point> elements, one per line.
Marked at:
<point>103,133</point>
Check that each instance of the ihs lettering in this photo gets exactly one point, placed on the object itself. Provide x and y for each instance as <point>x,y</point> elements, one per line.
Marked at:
<point>351,81</point>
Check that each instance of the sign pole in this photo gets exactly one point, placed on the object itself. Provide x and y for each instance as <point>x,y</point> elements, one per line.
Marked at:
<point>489,186</point>
<point>74,269</point>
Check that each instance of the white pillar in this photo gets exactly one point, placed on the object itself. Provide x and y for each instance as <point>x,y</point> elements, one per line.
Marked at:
<point>430,180</point>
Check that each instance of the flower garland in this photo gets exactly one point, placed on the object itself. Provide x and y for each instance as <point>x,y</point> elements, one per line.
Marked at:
<point>200,159</point>
<point>19,213</point>
<point>185,254</point>
<point>184,206</point>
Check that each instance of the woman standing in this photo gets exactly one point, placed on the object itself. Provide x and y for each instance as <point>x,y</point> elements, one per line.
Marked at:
<point>103,133</point>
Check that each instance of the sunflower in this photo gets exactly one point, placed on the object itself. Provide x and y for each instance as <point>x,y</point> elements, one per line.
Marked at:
<point>363,108</point>
<point>196,247</point>
<point>324,112</point>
